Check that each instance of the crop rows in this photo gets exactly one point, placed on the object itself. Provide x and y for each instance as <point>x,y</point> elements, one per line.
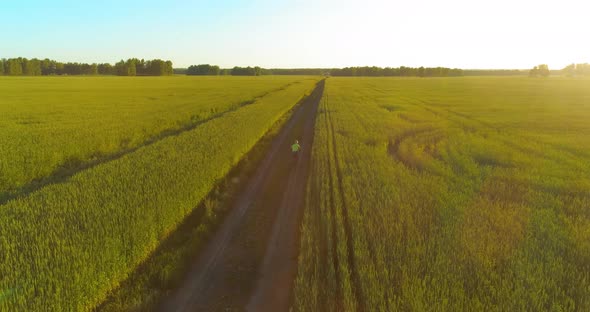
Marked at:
<point>65,246</point>
<point>52,126</point>
<point>448,195</point>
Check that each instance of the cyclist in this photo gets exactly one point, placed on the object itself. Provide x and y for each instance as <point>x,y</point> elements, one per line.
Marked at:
<point>295,148</point>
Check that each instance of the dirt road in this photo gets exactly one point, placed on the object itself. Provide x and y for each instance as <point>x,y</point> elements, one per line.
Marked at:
<point>251,262</point>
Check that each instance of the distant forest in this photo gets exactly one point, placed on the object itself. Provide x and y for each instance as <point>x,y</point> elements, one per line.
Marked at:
<point>132,67</point>
<point>494,72</point>
<point>577,70</point>
<point>370,71</point>
<point>135,67</point>
<point>397,71</point>
<point>206,69</point>
<point>373,71</point>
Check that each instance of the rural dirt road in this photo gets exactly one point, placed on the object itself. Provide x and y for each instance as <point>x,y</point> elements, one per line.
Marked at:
<point>251,261</point>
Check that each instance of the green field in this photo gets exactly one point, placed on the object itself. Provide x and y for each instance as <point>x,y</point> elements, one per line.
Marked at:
<point>448,194</point>
<point>443,194</point>
<point>65,246</point>
<point>49,125</point>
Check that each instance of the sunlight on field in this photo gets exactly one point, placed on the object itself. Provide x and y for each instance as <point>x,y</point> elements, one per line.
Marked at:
<point>459,193</point>
<point>51,123</point>
<point>67,245</point>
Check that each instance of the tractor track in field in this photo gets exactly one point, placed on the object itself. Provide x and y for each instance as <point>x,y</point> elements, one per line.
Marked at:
<point>323,233</point>
<point>318,213</point>
<point>352,265</point>
<point>339,301</point>
<point>73,166</point>
<point>251,261</point>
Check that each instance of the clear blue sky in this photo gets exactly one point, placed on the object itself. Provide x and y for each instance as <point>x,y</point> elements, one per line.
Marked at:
<point>305,33</point>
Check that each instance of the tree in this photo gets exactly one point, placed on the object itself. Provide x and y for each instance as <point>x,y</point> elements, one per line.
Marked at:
<point>140,67</point>
<point>157,68</point>
<point>92,69</point>
<point>31,67</point>
<point>14,67</point>
<point>246,71</point>
<point>214,70</point>
<point>569,70</point>
<point>544,70</point>
<point>493,72</point>
<point>105,69</point>
<point>541,70</point>
<point>296,71</point>
<point>47,67</point>
<point>421,72</point>
<point>455,72</point>
<point>121,68</point>
<point>203,69</point>
<point>237,71</point>
<point>583,69</point>
<point>59,68</point>
<point>374,71</point>
<point>169,69</point>
<point>131,67</point>
<point>74,68</point>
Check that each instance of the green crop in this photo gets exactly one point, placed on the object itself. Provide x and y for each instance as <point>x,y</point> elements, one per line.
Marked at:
<point>65,246</point>
<point>448,194</point>
<point>51,125</point>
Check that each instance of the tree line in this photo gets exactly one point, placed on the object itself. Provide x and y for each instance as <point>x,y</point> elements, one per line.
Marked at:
<point>132,67</point>
<point>493,72</point>
<point>402,71</point>
<point>207,69</point>
<point>573,70</point>
<point>299,71</point>
<point>540,70</point>
<point>248,71</point>
<point>214,70</point>
<point>139,67</point>
<point>203,69</point>
<point>373,71</point>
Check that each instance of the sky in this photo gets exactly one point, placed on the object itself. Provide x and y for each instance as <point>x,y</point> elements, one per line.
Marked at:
<point>490,34</point>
